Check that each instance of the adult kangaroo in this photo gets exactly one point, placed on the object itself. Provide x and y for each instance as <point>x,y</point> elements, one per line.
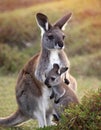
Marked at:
<point>32,96</point>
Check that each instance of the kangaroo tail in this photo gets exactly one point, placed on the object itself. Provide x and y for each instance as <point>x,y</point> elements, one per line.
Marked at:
<point>13,120</point>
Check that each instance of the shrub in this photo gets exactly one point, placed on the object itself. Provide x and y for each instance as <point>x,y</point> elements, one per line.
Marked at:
<point>11,59</point>
<point>87,65</point>
<point>85,116</point>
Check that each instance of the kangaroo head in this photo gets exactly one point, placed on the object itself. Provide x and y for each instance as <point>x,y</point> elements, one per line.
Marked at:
<point>52,35</point>
<point>54,76</point>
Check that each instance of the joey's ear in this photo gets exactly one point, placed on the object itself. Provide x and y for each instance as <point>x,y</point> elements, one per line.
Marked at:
<point>56,67</point>
<point>63,70</point>
<point>61,23</point>
<point>42,21</point>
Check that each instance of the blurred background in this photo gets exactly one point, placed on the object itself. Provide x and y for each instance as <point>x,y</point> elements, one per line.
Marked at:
<point>20,40</point>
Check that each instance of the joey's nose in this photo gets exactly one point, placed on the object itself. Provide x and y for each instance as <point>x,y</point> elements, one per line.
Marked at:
<point>47,83</point>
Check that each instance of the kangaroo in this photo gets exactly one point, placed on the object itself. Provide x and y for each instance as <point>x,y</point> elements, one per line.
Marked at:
<point>63,95</point>
<point>32,95</point>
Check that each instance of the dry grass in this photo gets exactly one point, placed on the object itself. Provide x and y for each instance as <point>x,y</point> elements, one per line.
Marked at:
<point>9,5</point>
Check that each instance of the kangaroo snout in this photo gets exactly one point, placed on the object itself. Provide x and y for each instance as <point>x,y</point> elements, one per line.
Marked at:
<point>60,44</point>
<point>47,83</point>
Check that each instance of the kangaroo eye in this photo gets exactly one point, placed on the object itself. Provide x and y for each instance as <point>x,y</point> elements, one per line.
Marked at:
<point>50,36</point>
<point>52,78</point>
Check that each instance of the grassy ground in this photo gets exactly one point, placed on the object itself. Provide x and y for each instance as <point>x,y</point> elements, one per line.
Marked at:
<point>8,102</point>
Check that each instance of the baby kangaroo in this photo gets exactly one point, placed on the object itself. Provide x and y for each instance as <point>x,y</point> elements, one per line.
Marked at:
<point>62,93</point>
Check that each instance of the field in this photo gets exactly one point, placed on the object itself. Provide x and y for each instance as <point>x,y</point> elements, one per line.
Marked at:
<point>19,40</point>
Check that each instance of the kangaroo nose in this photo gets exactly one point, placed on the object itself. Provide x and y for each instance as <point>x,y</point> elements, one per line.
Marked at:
<point>60,44</point>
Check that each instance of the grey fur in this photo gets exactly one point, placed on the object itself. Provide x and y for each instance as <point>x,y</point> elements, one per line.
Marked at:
<point>52,40</point>
<point>63,95</point>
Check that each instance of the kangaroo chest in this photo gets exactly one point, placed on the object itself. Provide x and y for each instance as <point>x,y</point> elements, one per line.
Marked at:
<point>46,64</point>
<point>54,58</point>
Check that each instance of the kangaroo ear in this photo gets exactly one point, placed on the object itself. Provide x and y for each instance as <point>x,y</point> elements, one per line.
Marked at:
<point>61,23</point>
<point>63,70</point>
<point>56,67</point>
<point>42,21</point>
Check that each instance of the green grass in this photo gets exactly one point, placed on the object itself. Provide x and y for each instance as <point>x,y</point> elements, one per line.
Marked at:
<point>87,84</point>
<point>86,65</point>
<point>8,103</point>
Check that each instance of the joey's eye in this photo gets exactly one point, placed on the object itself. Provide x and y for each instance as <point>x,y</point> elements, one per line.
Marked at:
<point>52,78</point>
<point>50,37</point>
<point>63,36</point>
